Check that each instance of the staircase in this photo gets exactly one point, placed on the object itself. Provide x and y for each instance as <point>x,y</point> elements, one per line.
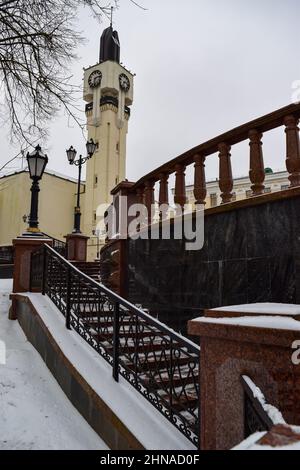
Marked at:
<point>90,268</point>
<point>160,364</point>
<point>146,346</point>
<point>145,351</point>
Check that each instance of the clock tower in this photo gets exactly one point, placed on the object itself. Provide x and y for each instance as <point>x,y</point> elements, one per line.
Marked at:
<point>108,91</point>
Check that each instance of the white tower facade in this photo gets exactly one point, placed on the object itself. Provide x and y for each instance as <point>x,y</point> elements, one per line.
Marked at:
<point>108,91</point>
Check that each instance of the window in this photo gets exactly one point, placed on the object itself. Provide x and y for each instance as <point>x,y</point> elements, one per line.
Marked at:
<point>267,190</point>
<point>213,200</point>
<point>95,216</point>
<point>284,187</point>
<point>233,197</point>
<point>95,181</point>
<point>249,193</point>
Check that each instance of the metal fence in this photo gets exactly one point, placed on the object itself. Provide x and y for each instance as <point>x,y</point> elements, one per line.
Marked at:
<point>160,364</point>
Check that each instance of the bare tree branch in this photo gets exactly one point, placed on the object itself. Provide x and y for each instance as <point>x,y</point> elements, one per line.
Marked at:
<point>38,42</point>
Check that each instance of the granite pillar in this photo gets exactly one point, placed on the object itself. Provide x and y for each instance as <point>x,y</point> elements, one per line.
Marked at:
<point>245,343</point>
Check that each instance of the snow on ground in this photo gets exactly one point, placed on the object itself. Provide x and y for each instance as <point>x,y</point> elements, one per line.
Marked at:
<point>35,414</point>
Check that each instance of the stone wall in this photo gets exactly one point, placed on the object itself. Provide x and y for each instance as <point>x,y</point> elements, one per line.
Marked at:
<point>251,254</point>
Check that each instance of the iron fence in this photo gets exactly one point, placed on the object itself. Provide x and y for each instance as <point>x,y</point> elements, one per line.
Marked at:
<point>160,364</point>
<point>6,255</point>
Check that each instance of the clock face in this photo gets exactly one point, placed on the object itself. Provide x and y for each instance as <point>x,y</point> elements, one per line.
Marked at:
<point>124,82</point>
<point>95,79</point>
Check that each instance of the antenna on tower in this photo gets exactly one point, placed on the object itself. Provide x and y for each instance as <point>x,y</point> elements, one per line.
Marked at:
<point>111,15</point>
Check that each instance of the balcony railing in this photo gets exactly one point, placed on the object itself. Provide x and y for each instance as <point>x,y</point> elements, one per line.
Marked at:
<point>160,364</point>
<point>253,132</point>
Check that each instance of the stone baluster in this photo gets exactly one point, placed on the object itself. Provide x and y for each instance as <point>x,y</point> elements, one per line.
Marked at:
<point>200,181</point>
<point>257,169</point>
<point>226,181</point>
<point>292,150</point>
<point>180,191</point>
<point>163,195</point>
<point>149,198</point>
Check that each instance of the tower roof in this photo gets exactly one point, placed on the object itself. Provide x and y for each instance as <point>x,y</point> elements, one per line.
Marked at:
<point>110,45</point>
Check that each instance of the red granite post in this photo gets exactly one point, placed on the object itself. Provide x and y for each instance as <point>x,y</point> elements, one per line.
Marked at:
<point>253,345</point>
<point>23,247</point>
<point>76,247</point>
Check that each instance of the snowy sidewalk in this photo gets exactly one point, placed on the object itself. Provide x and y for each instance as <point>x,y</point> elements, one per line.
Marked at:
<point>34,412</point>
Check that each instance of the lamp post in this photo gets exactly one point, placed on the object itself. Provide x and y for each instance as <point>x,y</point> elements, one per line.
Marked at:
<point>37,162</point>
<point>71,154</point>
<point>96,234</point>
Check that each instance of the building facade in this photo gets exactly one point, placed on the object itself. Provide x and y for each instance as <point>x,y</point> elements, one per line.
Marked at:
<point>57,200</point>
<point>108,93</point>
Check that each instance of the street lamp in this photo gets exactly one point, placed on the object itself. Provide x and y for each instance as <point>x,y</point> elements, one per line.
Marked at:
<point>96,234</point>
<point>71,154</point>
<point>37,162</point>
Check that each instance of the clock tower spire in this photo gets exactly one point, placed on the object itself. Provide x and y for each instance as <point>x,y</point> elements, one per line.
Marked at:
<point>108,91</point>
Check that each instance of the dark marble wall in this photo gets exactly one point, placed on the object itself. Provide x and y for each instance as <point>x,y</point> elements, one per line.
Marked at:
<point>250,255</point>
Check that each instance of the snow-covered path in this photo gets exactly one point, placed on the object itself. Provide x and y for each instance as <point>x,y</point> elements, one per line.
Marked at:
<point>34,412</point>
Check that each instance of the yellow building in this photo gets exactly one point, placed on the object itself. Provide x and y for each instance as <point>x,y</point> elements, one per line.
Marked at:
<point>56,205</point>
<point>108,92</point>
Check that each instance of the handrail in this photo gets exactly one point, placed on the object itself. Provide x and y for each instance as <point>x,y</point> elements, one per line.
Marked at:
<point>58,245</point>
<point>234,136</point>
<point>158,362</point>
<point>143,191</point>
<point>256,418</point>
<point>125,303</point>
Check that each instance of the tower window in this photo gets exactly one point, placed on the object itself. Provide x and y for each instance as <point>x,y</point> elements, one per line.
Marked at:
<point>118,147</point>
<point>95,180</point>
<point>95,216</point>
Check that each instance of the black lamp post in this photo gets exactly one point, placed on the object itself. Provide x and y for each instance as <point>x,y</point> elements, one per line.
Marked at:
<point>71,154</point>
<point>37,162</point>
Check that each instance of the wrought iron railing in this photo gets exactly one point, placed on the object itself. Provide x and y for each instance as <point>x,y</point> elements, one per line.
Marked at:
<point>162,365</point>
<point>58,245</point>
<point>6,255</point>
<point>256,418</point>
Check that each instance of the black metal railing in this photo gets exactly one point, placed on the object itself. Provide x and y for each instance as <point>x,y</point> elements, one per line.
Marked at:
<point>58,245</point>
<point>162,365</point>
<point>6,255</point>
<point>256,419</point>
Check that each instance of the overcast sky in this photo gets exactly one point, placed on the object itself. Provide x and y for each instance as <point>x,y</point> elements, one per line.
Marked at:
<point>203,67</point>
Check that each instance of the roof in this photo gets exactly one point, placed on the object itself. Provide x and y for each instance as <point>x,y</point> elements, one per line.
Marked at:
<point>47,172</point>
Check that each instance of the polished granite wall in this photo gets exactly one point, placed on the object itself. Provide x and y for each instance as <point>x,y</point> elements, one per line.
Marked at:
<point>251,254</point>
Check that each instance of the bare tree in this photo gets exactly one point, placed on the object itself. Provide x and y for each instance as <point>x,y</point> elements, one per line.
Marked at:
<point>38,41</point>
